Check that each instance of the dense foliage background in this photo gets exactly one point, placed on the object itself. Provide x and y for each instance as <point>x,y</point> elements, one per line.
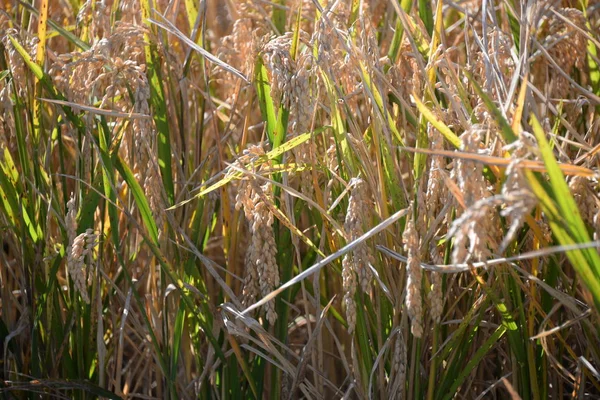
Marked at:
<point>420,176</point>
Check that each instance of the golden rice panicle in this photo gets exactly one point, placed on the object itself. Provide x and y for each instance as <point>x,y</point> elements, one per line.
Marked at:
<point>495,65</point>
<point>435,296</point>
<point>585,197</point>
<point>471,231</point>
<point>7,125</point>
<point>101,72</point>
<point>280,64</point>
<point>349,284</point>
<point>356,263</point>
<point>75,248</point>
<point>218,18</point>
<point>131,11</point>
<point>81,247</point>
<point>291,83</point>
<point>251,289</point>
<point>7,119</point>
<point>243,201</point>
<point>95,15</point>
<point>300,119</point>
<point>261,270</point>
<point>436,188</point>
<point>405,73</point>
<point>398,374</point>
<point>143,130</point>
<point>263,249</point>
<point>566,45</point>
<point>288,76</point>
<point>469,174</point>
<point>519,200</point>
<point>71,218</point>
<point>357,215</point>
<point>76,74</point>
<point>121,84</point>
<point>302,99</point>
<point>494,68</point>
<point>413,300</point>
<point>16,65</point>
<point>334,64</point>
<point>238,49</point>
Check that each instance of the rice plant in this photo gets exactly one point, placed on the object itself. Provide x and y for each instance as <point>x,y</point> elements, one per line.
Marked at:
<point>284,199</point>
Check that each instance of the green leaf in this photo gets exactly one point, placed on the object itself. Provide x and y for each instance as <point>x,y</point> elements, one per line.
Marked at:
<point>394,50</point>
<point>265,101</point>
<point>438,124</point>
<point>505,128</point>
<point>296,38</point>
<point>562,211</point>
<point>46,82</point>
<point>139,196</point>
<point>475,360</point>
<point>159,107</point>
<point>279,16</point>
<point>426,14</point>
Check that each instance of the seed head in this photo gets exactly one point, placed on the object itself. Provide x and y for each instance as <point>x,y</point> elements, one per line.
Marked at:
<point>356,263</point>
<point>413,301</point>
<point>262,272</point>
<point>82,246</point>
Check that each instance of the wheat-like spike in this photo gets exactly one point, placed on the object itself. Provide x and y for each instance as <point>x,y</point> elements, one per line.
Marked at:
<point>413,301</point>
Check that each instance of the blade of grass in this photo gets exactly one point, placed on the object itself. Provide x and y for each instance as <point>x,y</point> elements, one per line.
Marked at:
<point>426,14</point>
<point>438,124</point>
<point>159,105</point>
<point>394,50</point>
<point>267,108</point>
<point>39,59</point>
<point>46,82</point>
<point>279,17</point>
<point>456,351</point>
<point>338,126</point>
<point>515,332</point>
<point>592,54</point>
<point>296,38</point>
<point>475,360</point>
<point>503,124</point>
<point>431,73</point>
<point>557,201</point>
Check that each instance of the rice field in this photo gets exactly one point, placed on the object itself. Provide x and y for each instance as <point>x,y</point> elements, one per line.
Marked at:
<point>286,199</point>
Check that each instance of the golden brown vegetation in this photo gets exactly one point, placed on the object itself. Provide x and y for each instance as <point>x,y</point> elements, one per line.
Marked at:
<point>299,199</point>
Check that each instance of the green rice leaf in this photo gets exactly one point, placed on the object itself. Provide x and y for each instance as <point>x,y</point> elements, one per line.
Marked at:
<point>279,16</point>
<point>475,360</point>
<point>159,107</point>
<point>563,213</point>
<point>505,128</point>
<point>438,124</point>
<point>139,196</point>
<point>267,107</point>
